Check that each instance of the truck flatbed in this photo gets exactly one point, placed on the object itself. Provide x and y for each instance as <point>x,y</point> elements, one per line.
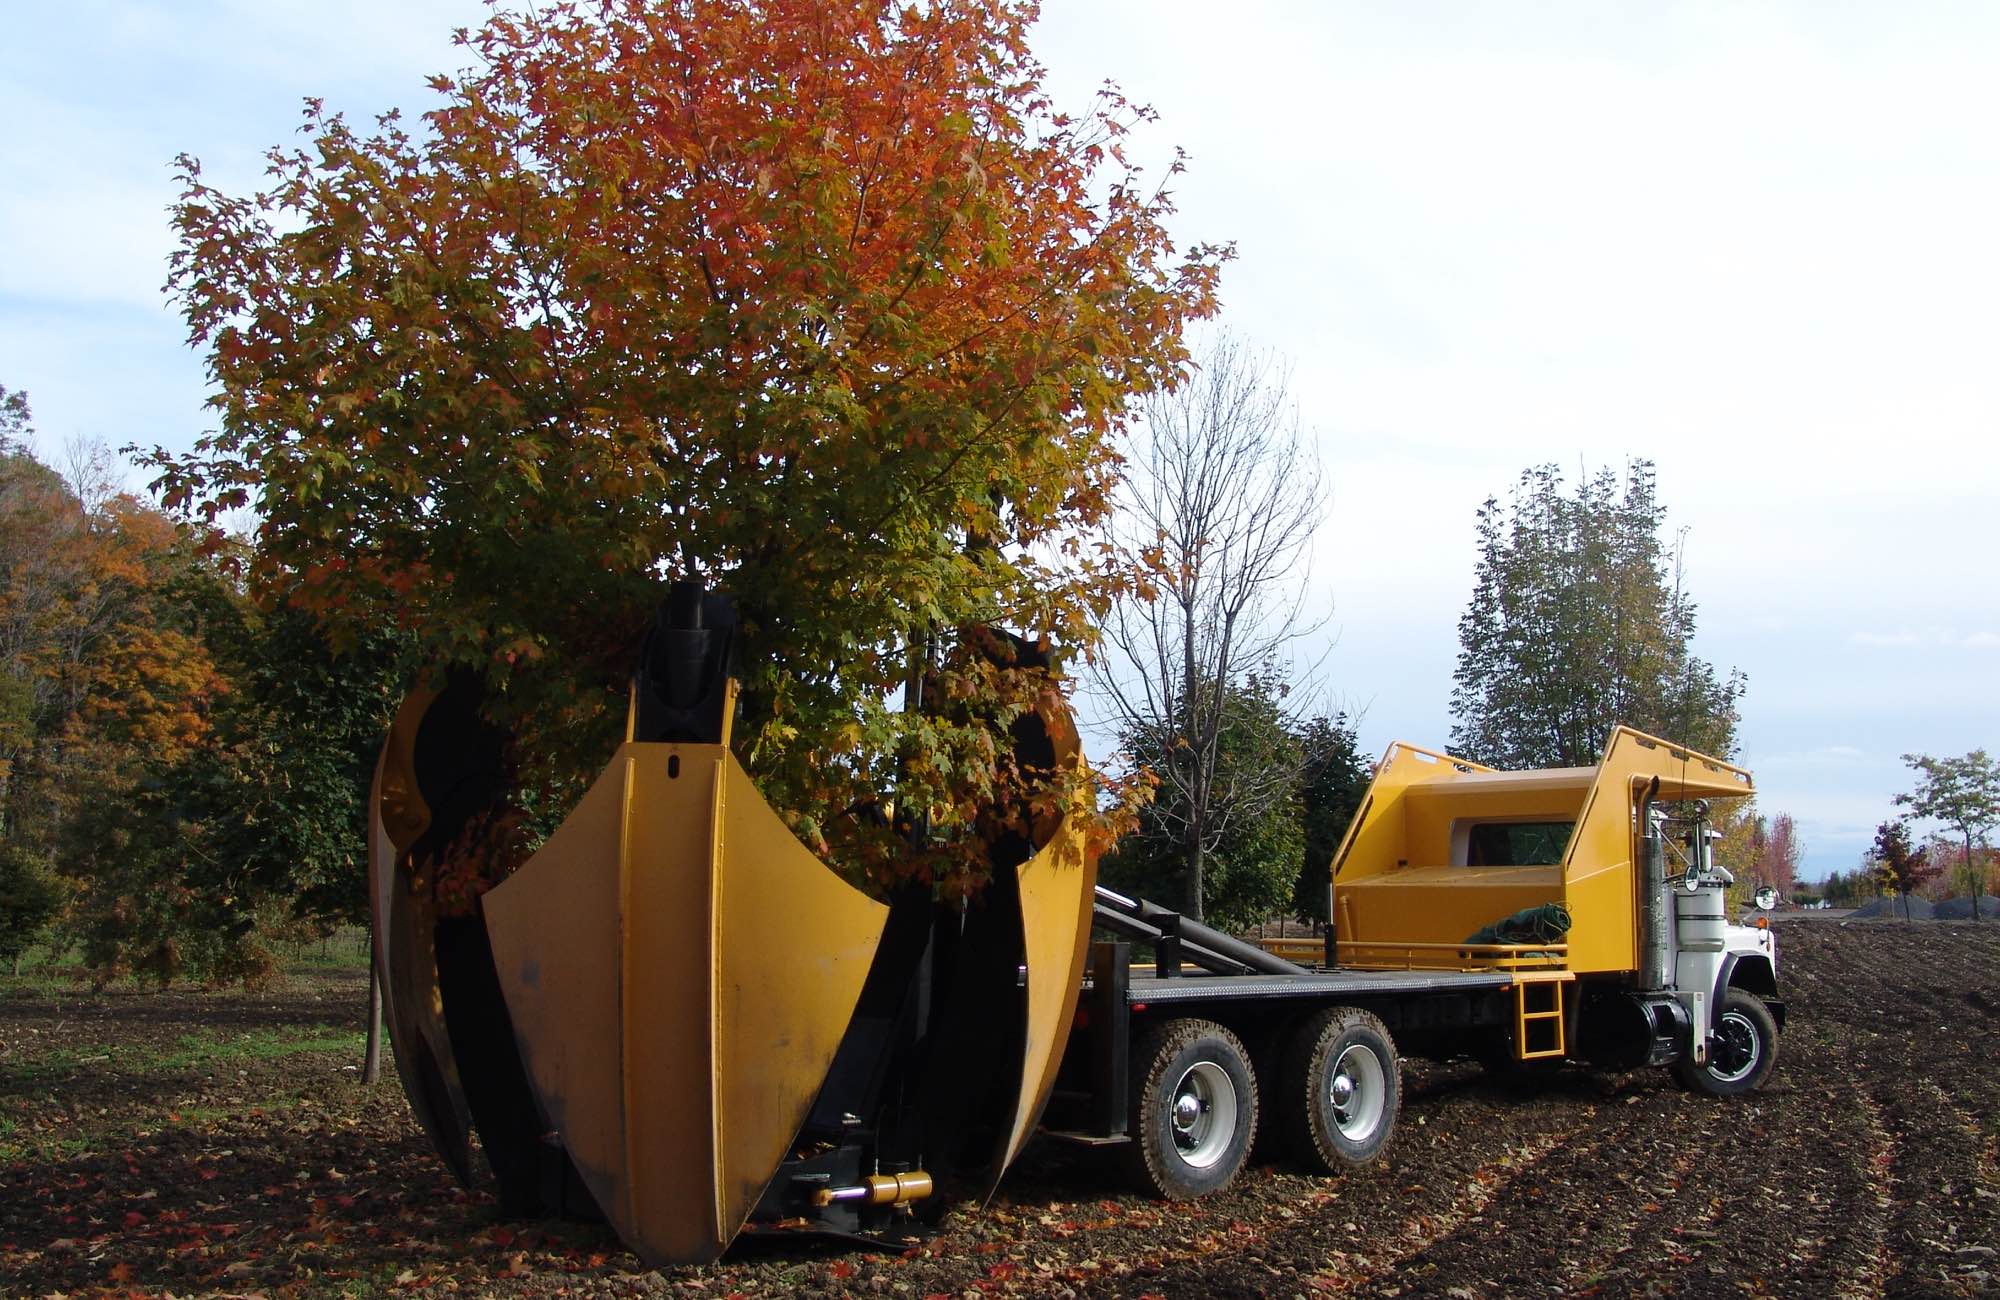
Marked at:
<point>1153,990</point>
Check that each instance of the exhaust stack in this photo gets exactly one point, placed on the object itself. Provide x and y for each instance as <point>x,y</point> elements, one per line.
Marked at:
<point>1656,916</point>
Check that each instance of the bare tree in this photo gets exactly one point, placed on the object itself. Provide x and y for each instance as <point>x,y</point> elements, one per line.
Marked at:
<point>1221,499</point>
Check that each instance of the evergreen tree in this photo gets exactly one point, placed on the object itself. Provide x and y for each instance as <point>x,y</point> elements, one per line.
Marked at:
<point>1578,623</point>
<point>1331,786</point>
<point>1253,835</point>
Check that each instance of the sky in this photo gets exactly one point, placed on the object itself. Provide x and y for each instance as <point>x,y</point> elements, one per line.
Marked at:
<point>1753,243</point>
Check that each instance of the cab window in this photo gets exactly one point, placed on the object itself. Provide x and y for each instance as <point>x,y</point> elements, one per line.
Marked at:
<point>1516,844</point>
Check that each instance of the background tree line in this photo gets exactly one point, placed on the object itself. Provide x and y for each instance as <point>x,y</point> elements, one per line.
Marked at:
<point>1579,620</point>
<point>180,768</point>
<point>1941,848</point>
<point>181,765</point>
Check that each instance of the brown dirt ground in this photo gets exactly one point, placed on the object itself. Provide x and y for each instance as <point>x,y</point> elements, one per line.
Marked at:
<point>147,1147</point>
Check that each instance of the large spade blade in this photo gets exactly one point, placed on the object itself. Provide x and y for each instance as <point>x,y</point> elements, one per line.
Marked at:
<point>404,919</point>
<point>680,970</point>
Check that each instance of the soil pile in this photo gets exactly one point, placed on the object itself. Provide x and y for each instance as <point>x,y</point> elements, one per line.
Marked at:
<point>1919,909</point>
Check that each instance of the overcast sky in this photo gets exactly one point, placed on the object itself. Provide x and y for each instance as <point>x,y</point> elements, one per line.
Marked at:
<point>1755,243</point>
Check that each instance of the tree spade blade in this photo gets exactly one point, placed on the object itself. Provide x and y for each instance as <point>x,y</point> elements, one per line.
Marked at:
<point>679,970</point>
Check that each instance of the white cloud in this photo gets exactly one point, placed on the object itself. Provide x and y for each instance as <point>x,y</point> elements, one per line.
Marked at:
<point>1942,638</point>
<point>1822,756</point>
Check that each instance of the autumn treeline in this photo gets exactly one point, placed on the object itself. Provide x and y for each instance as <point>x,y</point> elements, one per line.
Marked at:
<point>181,772</point>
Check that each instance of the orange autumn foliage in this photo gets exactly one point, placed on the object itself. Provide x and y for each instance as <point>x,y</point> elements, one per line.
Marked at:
<point>828,306</point>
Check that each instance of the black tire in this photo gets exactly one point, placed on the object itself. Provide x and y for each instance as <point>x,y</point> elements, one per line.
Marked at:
<point>1194,1109</point>
<point>1742,1048</point>
<point>1340,1088</point>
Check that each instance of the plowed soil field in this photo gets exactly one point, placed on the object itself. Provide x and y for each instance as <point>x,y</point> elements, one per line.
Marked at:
<point>201,1144</point>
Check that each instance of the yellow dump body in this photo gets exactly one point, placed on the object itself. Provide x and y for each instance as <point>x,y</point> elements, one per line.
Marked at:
<point>1442,848</point>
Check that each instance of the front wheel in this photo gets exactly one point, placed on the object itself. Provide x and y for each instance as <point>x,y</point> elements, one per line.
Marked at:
<point>1340,1089</point>
<point>1194,1109</point>
<point>1742,1048</point>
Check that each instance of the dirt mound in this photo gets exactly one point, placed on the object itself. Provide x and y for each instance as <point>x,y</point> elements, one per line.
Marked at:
<point>1960,909</point>
<point>1893,909</point>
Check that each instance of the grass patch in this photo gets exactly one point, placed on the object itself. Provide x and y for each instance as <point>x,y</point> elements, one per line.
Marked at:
<point>47,968</point>
<point>189,1052</point>
<point>46,1149</point>
<point>15,1144</point>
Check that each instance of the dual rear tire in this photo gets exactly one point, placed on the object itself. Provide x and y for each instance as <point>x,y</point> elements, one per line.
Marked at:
<point>1195,1100</point>
<point>1194,1109</point>
<point>1343,1089</point>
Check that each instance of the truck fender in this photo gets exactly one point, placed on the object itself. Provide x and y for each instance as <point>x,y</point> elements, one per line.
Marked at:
<point>1751,972</point>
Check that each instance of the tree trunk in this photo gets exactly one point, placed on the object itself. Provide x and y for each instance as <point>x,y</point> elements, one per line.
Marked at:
<point>371,1062</point>
<point>1973,873</point>
<point>1191,907</point>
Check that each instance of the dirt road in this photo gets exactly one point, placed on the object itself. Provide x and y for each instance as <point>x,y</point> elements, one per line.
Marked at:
<point>218,1144</point>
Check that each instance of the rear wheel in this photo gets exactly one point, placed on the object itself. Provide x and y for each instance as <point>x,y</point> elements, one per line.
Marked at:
<point>1340,1090</point>
<point>1194,1109</point>
<point>1742,1048</point>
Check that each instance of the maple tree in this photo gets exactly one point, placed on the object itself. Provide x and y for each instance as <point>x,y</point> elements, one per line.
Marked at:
<point>1898,867</point>
<point>1773,852</point>
<point>828,306</point>
<point>252,832</point>
<point>107,684</point>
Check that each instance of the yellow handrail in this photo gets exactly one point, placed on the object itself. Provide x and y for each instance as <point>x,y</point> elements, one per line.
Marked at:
<point>1416,955</point>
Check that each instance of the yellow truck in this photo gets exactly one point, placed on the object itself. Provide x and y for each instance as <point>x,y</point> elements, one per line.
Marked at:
<point>676,1018</point>
<point>1622,951</point>
<point>1517,917</point>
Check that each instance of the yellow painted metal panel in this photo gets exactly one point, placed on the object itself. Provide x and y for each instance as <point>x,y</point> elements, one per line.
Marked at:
<point>1441,904</point>
<point>710,972</point>
<point>1394,878</point>
<point>1602,880</point>
<point>668,973</point>
<point>793,946</point>
<point>555,926</point>
<point>1058,890</point>
<point>1603,935</point>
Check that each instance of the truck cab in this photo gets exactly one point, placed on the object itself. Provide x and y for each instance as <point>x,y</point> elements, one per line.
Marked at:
<point>1595,885</point>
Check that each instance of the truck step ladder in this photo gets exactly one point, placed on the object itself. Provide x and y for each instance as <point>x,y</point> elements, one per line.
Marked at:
<point>1538,1019</point>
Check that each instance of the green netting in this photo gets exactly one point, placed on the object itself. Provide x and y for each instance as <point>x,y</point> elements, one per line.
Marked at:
<point>1545,924</point>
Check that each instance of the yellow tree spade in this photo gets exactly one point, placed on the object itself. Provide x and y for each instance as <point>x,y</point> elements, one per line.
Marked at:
<point>827,305</point>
